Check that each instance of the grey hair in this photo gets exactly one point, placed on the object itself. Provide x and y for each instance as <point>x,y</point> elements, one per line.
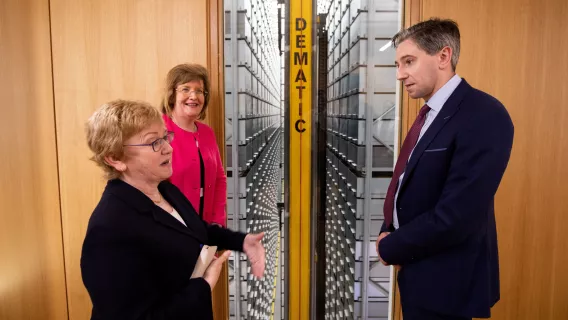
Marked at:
<point>432,36</point>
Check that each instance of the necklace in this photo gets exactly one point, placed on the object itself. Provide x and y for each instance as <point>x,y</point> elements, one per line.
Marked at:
<point>194,125</point>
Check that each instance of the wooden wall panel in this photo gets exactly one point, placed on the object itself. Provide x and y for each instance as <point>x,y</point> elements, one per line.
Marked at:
<point>32,275</point>
<point>103,50</point>
<point>512,49</point>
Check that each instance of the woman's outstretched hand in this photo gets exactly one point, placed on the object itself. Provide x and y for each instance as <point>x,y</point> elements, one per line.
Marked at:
<point>255,252</point>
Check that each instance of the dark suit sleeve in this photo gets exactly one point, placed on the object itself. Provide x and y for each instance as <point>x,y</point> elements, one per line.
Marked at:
<point>225,239</point>
<point>477,166</point>
<point>118,275</point>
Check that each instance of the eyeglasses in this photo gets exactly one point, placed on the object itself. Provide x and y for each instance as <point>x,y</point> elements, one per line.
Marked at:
<point>187,92</point>
<point>156,144</point>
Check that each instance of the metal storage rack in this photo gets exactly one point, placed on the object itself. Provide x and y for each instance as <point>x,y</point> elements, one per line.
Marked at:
<point>360,79</point>
<point>253,148</point>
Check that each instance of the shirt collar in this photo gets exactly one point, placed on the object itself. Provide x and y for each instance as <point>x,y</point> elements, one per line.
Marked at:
<point>437,101</point>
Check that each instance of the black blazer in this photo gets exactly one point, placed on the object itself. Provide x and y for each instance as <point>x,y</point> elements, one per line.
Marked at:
<point>447,240</point>
<point>137,259</point>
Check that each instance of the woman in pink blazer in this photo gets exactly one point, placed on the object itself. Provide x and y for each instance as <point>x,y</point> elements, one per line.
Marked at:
<point>197,168</point>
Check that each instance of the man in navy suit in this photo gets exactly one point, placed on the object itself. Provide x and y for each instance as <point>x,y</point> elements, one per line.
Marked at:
<point>439,225</point>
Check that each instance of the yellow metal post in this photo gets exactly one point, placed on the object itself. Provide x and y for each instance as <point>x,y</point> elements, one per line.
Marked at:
<point>300,81</point>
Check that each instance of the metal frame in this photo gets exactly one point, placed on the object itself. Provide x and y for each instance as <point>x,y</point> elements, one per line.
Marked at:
<point>368,176</point>
<point>286,211</point>
<point>380,140</point>
<point>314,158</point>
<point>235,156</point>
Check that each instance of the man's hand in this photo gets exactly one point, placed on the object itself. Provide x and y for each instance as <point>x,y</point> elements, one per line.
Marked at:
<point>381,237</point>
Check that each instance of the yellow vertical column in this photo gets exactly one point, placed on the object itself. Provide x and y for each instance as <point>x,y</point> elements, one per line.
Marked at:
<point>300,157</point>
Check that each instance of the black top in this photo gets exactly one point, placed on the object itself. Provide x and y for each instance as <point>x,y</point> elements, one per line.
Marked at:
<point>137,259</point>
<point>202,174</point>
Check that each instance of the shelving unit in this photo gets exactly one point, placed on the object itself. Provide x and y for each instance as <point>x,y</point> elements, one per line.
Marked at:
<point>253,129</point>
<point>359,75</point>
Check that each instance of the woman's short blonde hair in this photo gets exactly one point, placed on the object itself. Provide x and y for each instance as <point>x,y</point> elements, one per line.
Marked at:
<point>112,124</point>
<point>180,74</point>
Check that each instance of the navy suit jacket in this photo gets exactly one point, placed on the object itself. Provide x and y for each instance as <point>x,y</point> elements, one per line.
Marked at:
<point>447,240</point>
<point>137,259</point>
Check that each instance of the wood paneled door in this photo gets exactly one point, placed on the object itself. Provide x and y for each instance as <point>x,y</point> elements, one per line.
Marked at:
<point>516,50</point>
<point>32,272</point>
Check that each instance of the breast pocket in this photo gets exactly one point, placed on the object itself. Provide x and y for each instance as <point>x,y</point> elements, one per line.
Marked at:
<point>434,161</point>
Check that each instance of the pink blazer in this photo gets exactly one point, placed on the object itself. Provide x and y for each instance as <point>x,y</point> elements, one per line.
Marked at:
<point>186,170</point>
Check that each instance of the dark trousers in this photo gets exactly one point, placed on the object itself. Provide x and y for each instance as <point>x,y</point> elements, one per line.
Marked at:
<point>417,313</point>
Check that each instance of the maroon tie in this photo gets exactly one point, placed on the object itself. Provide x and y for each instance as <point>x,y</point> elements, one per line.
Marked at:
<point>407,147</point>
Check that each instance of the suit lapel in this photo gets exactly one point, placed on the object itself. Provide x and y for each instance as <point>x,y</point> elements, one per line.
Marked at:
<point>141,203</point>
<point>167,220</point>
<point>195,226</point>
<point>446,113</point>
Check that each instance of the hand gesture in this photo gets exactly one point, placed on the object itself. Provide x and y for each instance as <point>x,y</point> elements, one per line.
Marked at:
<point>255,253</point>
